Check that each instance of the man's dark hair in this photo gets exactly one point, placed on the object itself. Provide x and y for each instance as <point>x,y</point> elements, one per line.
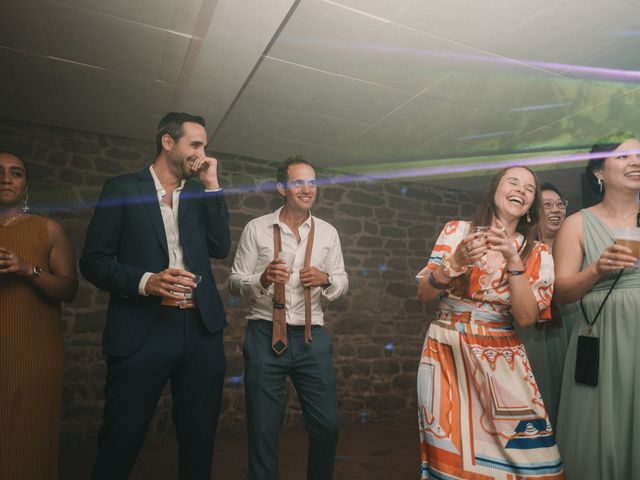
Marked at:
<point>282,174</point>
<point>19,157</point>
<point>171,124</point>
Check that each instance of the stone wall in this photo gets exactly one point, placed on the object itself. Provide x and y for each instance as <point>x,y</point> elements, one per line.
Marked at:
<point>386,229</point>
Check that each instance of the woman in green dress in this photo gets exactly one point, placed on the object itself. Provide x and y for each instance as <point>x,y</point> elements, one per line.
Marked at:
<point>596,423</point>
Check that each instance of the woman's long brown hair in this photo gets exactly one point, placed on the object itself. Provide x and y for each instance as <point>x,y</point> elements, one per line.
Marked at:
<point>485,215</point>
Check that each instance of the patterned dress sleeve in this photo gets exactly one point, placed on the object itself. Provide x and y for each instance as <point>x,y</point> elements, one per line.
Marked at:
<point>539,271</point>
<point>449,238</point>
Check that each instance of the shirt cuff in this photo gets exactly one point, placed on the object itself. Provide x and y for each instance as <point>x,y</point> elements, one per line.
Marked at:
<point>257,288</point>
<point>143,283</point>
<point>336,289</point>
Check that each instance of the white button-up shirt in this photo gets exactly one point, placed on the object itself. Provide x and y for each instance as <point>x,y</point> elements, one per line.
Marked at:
<point>255,251</point>
<point>171,230</point>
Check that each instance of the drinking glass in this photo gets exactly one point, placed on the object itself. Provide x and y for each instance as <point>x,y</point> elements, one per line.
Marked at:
<point>629,237</point>
<point>479,241</point>
<point>289,258</point>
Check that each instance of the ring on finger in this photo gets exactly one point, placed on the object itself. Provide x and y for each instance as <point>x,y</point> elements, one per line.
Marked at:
<point>610,261</point>
<point>468,247</point>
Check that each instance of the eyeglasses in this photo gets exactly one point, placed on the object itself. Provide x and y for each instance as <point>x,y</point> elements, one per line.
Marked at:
<point>560,204</point>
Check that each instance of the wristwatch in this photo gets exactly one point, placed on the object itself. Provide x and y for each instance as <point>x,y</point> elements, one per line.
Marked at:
<point>329,280</point>
<point>36,271</point>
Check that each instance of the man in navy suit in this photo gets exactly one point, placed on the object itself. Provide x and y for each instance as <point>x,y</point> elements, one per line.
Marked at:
<point>149,244</point>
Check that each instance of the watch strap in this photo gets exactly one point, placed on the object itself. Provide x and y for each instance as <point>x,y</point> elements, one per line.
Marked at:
<point>36,271</point>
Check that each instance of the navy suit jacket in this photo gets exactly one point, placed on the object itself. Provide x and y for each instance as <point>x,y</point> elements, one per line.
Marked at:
<point>126,238</point>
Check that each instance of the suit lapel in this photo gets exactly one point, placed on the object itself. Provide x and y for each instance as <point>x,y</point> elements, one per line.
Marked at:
<point>149,198</point>
<point>186,199</point>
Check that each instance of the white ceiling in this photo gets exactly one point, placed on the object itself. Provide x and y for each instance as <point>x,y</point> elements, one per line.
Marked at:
<point>352,84</point>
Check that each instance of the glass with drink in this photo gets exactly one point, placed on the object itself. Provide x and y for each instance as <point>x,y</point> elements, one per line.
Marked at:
<point>482,230</point>
<point>289,258</point>
<point>628,237</point>
<point>181,290</point>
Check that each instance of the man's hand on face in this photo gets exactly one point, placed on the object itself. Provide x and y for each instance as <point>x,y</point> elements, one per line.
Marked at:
<point>207,170</point>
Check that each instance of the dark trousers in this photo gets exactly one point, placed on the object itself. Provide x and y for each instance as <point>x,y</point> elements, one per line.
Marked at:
<point>311,371</point>
<point>178,348</point>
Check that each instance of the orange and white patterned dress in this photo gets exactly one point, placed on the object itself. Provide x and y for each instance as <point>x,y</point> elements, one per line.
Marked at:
<point>480,412</point>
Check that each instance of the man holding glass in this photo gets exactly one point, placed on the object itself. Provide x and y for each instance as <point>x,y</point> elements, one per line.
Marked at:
<point>286,263</point>
<point>149,244</point>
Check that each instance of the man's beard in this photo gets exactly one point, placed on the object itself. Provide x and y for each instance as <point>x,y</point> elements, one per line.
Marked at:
<point>186,171</point>
<point>182,165</point>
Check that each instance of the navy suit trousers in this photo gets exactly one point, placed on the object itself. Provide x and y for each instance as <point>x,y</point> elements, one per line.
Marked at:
<point>178,349</point>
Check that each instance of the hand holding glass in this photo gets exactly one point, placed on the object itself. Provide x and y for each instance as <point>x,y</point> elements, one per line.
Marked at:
<point>195,278</point>
<point>182,290</point>
<point>628,237</point>
<point>289,258</point>
<point>480,241</point>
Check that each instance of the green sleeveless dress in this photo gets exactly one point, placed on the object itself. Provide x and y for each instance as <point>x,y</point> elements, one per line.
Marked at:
<point>546,347</point>
<point>596,425</point>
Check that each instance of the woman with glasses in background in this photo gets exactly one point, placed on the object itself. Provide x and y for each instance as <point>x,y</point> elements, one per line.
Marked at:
<point>555,211</point>
<point>546,343</point>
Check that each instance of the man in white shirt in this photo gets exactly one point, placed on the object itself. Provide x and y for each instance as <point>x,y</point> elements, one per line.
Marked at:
<point>285,334</point>
<point>149,245</point>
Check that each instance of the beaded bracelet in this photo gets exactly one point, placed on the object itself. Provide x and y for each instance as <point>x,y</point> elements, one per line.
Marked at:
<point>515,273</point>
<point>435,283</point>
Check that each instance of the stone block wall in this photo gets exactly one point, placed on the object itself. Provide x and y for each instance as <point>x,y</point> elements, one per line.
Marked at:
<point>386,229</point>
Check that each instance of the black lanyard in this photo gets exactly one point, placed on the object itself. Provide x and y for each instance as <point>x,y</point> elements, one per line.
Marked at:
<point>592,323</point>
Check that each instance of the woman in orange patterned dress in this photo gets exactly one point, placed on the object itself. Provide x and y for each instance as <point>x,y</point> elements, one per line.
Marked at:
<point>37,272</point>
<point>480,412</point>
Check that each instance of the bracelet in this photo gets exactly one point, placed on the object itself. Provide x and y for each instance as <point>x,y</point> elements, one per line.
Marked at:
<point>435,283</point>
<point>36,271</point>
<point>514,273</point>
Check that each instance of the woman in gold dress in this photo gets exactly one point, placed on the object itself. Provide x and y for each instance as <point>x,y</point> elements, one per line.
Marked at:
<point>37,272</point>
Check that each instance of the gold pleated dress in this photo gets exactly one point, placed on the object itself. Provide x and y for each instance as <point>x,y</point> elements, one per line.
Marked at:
<point>31,361</point>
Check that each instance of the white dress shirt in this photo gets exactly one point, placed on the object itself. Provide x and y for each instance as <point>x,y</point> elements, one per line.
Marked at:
<point>172,232</point>
<point>255,251</point>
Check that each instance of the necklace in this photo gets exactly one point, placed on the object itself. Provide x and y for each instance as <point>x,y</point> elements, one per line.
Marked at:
<point>11,219</point>
<point>621,217</point>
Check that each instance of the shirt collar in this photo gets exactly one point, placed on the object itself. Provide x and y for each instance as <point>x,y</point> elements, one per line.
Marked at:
<point>275,219</point>
<point>159,188</point>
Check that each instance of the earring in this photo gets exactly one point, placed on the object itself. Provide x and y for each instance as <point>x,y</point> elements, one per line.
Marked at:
<point>600,184</point>
<point>528,218</point>
<point>25,207</point>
